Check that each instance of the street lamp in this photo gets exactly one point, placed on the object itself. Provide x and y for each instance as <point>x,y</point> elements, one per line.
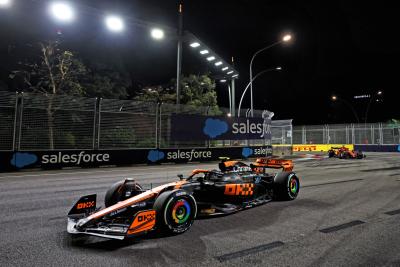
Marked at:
<point>251,81</point>
<point>373,97</point>
<point>335,98</point>
<point>5,3</point>
<point>62,11</point>
<point>114,23</point>
<point>157,34</point>
<point>286,38</point>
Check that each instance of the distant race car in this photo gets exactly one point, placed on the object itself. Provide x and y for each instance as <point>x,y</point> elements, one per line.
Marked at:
<point>345,153</point>
<point>131,211</point>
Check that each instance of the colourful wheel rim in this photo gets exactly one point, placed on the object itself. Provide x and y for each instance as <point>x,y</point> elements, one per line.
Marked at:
<point>293,186</point>
<point>181,211</point>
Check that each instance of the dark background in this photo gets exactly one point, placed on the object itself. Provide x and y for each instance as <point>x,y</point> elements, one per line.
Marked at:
<point>345,48</point>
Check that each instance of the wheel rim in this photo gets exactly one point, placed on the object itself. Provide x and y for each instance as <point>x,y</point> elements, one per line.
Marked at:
<point>179,214</point>
<point>293,186</point>
<point>181,211</point>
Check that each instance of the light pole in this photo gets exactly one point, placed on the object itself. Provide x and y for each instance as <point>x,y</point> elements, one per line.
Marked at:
<point>335,98</point>
<point>379,93</point>
<point>285,39</point>
<point>64,12</point>
<point>249,84</point>
<point>179,54</point>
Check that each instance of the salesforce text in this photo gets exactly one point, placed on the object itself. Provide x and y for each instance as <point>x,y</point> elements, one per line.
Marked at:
<point>189,155</point>
<point>75,158</point>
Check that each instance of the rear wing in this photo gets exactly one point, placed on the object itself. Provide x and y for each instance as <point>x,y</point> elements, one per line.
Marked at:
<point>284,164</point>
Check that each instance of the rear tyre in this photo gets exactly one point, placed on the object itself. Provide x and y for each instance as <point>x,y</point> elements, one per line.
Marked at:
<point>122,190</point>
<point>175,211</point>
<point>331,153</point>
<point>286,186</point>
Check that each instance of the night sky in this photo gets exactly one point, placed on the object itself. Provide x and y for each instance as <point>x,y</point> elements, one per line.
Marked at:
<point>345,48</point>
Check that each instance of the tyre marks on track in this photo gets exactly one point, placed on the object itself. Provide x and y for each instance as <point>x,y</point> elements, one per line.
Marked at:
<point>341,226</point>
<point>253,250</point>
<point>334,182</point>
<point>393,212</point>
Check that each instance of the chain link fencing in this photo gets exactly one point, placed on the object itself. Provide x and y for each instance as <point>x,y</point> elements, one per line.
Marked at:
<point>54,122</point>
<point>8,113</point>
<point>365,133</point>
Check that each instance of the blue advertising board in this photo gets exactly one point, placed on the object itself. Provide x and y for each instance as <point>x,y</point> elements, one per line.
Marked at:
<point>197,127</point>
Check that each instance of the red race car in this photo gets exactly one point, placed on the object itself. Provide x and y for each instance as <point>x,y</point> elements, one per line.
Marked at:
<point>345,153</point>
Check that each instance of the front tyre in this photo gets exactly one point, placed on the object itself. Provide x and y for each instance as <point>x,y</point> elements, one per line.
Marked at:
<point>286,186</point>
<point>175,211</point>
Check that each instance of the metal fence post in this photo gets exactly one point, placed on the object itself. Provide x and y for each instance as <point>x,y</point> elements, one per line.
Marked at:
<point>372,134</point>
<point>15,120</point>
<point>328,135</point>
<point>159,125</point>
<point>21,112</point>
<point>156,127</point>
<point>291,132</point>
<point>99,124</point>
<point>94,124</point>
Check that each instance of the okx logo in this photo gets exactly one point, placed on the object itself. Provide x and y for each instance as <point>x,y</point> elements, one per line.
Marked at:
<point>21,160</point>
<point>247,152</point>
<point>215,127</point>
<point>155,155</point>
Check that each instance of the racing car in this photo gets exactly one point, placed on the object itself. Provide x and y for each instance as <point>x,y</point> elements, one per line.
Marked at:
<point>345,153</point>
<point>131,211</point>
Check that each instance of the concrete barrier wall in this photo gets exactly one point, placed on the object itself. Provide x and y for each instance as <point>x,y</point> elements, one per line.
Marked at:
<point>378,148</point>
<point>11,161</point>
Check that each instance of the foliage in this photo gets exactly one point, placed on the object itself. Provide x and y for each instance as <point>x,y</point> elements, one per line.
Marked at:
<point>196,91</point>
<point>105,82</point>
<point>118,136</point>
<point>56,72</point>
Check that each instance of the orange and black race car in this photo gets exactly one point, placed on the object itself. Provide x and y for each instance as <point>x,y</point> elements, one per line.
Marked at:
<point>131,211</point>
<point>345,153</point>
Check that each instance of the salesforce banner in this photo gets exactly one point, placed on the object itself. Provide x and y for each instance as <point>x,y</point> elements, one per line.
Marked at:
<point>197,127</point>
<point>10,161</point>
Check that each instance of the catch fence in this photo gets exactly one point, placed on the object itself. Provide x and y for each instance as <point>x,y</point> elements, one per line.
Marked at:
<point>360,134</point>
<point>57,122</point>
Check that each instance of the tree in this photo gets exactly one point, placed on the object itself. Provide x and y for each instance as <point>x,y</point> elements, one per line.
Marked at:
<point>57,71</point>
<point>103,81</point>
<point>52,70</point>
<point>197,91</point>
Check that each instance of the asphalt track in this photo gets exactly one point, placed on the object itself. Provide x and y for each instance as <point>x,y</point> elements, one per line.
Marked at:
<point>347,214</point>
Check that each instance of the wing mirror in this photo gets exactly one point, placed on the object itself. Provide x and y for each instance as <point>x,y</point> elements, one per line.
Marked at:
<point>180,176</point>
